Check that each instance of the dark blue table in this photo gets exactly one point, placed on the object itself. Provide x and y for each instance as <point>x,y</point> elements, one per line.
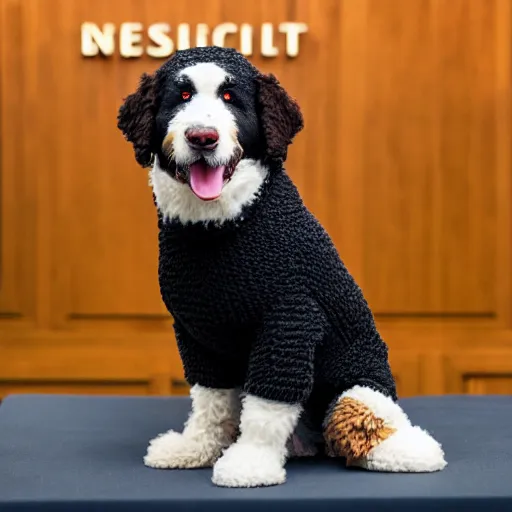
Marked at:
<point>73,454</point>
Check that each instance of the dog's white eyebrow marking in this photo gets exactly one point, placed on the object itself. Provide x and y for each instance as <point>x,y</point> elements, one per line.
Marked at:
<point>205,108</point>
<point>206,77</point>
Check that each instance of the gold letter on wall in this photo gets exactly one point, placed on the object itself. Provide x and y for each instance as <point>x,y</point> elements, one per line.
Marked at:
<point>246,39</point>
<point>267,41</point>
<point>95,40</point>
<point>183,36</point>
<point>130,36</point>
<point>202,31</point>
<point>158,35</point>
<point>221,31</point>
<point>292,31</point>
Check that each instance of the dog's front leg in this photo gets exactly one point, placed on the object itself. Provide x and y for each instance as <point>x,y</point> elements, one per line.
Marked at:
<point>259,455</point>
<point>211,427</point>
<point>279,379</point>
<point>213,422</point>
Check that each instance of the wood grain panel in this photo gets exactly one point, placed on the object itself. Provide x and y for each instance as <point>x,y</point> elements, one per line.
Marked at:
<point>108,230</point>
<point>430,131</point>
<point>480,371</point>
<point>62,387</point>
<point>488,385</point>
<point>503,102</point>
<point>405,159</point>
<point>17,205</point>
<point>101,362</point>
<point>406,371</point>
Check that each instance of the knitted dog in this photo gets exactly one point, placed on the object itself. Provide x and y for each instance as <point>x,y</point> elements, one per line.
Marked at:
<point>276,338</point>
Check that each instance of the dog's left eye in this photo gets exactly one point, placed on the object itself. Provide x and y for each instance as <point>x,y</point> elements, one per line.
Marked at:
<point>226,96</point>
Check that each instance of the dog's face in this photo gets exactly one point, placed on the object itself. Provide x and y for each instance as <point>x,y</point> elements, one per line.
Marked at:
<point>204,112</point>
<point>206,122</point>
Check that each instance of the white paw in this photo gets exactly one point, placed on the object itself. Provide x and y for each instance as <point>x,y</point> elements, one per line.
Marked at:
<point>409,450</point>
<point>246,465</point>
<point>173,450</point>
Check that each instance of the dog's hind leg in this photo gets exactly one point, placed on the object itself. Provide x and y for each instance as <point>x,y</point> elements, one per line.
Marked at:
<point>373,432</point>
<point>306,440</point>
<point>211,427</point>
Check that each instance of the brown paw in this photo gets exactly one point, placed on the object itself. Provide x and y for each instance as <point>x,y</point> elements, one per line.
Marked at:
<point>353,430</point>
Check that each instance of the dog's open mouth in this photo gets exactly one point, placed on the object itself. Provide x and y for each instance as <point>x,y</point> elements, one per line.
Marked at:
<point>207,181</point>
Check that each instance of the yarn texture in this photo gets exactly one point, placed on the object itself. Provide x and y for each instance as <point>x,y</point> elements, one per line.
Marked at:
<point>264,303</point>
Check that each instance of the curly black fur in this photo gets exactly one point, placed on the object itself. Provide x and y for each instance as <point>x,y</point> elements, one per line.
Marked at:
<point>136,119</point>
<point>280,116</point>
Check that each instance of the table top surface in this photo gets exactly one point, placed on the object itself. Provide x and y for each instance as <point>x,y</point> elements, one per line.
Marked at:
<point>68,452</point>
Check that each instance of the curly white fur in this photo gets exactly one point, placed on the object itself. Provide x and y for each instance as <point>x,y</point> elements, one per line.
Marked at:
<point>259,455</point>
<point>410,449</point>
<point>177,201</point>
<point>205,109</point>
<point>211,427</point>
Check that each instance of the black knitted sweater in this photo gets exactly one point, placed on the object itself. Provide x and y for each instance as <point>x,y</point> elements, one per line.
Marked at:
<point>264,303</point>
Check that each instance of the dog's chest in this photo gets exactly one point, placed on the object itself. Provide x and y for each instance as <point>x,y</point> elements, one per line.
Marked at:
<point>224,282</point>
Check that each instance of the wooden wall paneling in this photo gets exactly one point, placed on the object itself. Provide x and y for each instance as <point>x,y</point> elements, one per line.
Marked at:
<point>110,266</point>
<point>503,109</point>
<point>432,374</point>
<point>315,155</point>
<point>38,151</point>
<point>74,388</point>
<point>436,187</point>
<point>107,363</point>
<point>479,372</point>
<point>396,156</point>
<point>17,188</point>
<point>448,355</point>
<point>406,371</point>
<point>488,385</point>
<point>349,165</point>
<point>429,195</point>
<point>427,164</point>
<point>405,158</point>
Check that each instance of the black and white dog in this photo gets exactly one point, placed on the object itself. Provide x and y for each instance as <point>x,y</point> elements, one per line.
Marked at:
<point>276,339</point>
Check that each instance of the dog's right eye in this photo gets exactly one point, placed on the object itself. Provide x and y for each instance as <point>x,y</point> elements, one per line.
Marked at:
<point>186,95</point>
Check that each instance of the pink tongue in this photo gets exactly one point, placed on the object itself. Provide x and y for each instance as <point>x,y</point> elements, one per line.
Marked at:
<point>206,182</point>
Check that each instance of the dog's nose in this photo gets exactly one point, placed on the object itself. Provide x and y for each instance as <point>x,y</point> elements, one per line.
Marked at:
<point>202,138</point>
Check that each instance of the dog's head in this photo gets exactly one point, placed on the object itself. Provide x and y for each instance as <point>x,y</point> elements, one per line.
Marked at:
<point>203,112</point>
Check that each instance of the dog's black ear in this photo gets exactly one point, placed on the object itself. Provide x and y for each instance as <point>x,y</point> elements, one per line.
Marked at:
<point>280,117</point>
<point>136,119</point>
